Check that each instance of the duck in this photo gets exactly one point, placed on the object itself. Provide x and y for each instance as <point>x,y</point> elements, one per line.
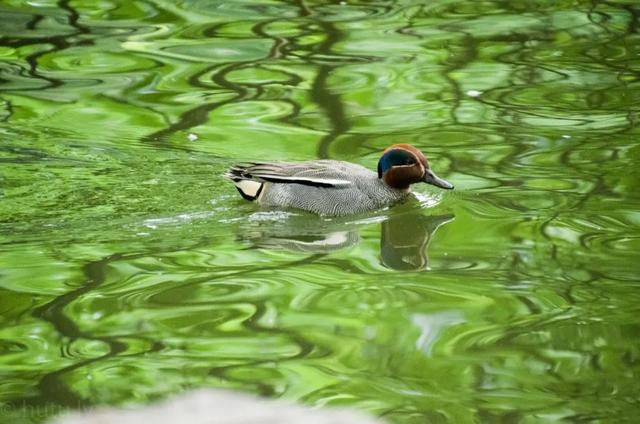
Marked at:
<point>335,188</point>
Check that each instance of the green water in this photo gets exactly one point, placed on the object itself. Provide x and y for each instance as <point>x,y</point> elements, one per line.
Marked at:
<point>131,270</point>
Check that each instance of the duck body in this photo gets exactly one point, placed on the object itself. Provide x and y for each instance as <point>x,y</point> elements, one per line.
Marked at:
<point>330,187</point>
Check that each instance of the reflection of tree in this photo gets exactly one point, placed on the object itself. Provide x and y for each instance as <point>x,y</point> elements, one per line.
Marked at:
<point>321,93</point>
<point>59,42</point>
<point>218,74</point>
<point>281,51</point>
<point>54,387</point>
<point>53,390</point>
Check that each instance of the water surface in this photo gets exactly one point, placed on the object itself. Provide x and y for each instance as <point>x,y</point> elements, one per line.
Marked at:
<point>130,270</point>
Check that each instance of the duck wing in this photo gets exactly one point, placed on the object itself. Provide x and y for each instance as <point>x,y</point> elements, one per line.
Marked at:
<point>321,173</point>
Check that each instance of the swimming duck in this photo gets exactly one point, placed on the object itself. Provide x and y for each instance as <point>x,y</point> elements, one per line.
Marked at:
<point>335,188</point>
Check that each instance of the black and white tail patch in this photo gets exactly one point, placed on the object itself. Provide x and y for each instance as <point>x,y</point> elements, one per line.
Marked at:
<point>248,189</point>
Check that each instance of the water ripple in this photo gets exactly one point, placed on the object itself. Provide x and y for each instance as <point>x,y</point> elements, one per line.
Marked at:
<point>130,268</point>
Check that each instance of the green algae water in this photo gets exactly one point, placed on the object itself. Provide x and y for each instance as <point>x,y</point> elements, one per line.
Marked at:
<point>131,270</point>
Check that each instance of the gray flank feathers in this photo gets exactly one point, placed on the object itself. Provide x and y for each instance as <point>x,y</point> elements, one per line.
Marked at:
<point>324,187</point>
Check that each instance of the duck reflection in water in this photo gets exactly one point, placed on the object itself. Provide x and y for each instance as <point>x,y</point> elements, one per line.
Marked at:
<point>405,239</point>
<point>404,236</point>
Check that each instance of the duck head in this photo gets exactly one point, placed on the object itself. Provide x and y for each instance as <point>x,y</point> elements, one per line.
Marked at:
<point>402,165</point>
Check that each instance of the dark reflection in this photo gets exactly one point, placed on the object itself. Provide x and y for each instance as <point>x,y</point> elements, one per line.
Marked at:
<point>58,42</point>
<point>404,237</point>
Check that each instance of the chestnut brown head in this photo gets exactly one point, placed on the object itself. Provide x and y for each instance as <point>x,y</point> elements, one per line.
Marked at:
<point>402,165</point>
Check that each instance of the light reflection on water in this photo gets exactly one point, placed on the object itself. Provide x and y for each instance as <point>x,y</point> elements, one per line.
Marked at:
<point>130,270</point>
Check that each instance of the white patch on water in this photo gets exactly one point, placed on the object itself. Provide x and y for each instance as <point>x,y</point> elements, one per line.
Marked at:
<point>428,200</point>
<point>270,216</point>
<point>431,325</point>
<point>154,223</point>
